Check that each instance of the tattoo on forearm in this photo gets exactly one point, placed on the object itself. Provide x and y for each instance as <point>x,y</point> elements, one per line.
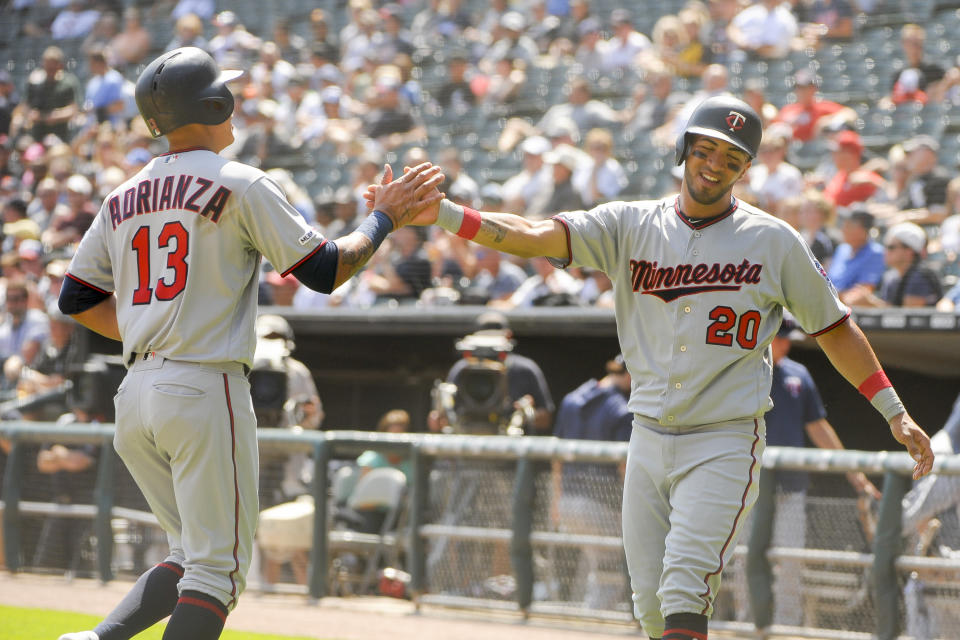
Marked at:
<point>355,256</point>
<point>495,229</point>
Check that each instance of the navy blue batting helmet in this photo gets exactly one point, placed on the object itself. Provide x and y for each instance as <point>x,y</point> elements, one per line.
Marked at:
<point>724,118</point>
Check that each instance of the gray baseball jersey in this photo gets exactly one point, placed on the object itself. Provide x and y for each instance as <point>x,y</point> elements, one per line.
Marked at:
<point>181,238</point>
<point>697,303</point>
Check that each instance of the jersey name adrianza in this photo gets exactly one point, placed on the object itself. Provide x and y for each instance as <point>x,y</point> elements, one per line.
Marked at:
<point>669,283</point>
<point>183,192</point>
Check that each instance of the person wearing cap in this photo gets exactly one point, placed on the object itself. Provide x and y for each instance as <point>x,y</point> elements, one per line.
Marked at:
<point>654,101</point>
<point>52,97</point>
<point>456,181</point>
<point>232,43</point>
<point>584,110</point>
<point>300,113</point>
<point>59,354</point>
<point>23,328</point>
<point>525,380</point>
<point>772,179</point>
<point>765,29</point>
<point>564,160</point>
<point>513,44</point>
<point>583,500</point>
<point>529,190</point>
<point>17,226</point>
<point>625,42</point>
<point>908,282</point>
<point>858,263</point>
<point>809,114</point>
<point>924,197</point>
<point>390,120</point>
<point>851,184</point>
<point>797,417</point>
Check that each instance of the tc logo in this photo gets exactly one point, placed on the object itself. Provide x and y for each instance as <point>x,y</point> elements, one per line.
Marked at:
<point>736,120</point>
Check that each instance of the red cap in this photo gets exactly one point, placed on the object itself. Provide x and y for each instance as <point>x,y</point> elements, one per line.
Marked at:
<point>847,140</point>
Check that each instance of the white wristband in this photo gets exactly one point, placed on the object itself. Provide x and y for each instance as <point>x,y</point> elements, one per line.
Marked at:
<point>450,216</point>
<point>887,403</point>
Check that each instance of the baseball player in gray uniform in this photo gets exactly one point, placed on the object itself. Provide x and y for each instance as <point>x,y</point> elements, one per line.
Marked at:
<point>170,267</point>
<point>701,281</point>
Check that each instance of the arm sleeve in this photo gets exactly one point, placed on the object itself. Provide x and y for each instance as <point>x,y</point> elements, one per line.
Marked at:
<point>319,270</point>
<point>807,292</point>
<point>593,237</point>
<point>77,296</point>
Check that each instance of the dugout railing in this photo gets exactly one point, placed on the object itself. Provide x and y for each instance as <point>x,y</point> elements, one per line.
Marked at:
<point>483,527</point>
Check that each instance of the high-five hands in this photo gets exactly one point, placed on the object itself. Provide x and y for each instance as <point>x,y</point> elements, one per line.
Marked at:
<point>409,198</point>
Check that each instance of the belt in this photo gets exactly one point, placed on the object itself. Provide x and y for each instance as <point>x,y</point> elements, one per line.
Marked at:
<point>153,360</point>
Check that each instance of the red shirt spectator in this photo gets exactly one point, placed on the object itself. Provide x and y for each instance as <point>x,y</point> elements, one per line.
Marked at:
<point>805,115</point>
<point>850,184</point>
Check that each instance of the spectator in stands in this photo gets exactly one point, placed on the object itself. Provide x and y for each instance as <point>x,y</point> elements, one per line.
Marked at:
<point>455,92</point>
<point>23,327</point>
<point>300,113</point>
<point>46,204</point>
<point>816,218</point>
<point>754,94</point>
<point>851,184</point>
<point>233,45</point>
<point>513,43</point>
<point>918,74</point>
<point>393,421</point>
<point>797,412</point>
<point>721,14</point>
<point>271,73</point>
<point>504,83</point>
<point>565,162</point>
<point>292,46</point>
<point>202,8</point>
<point>405,273</point>
<point>390,121</point>
<point>61,352</point>
<point>571,25</point>
<point>67,229</point>
<point>620,51</point>
<point>584,497</point>
<point>322,41</point>
<point>105,98</point>
<point>924,196</point>
<point>826,21</point>
<point>602,177</point>
<point>765,29</point>
<point>397,39</point>
<point>858,263</point>
<point>526,383</point>
<point>102,34</point>
<point>547,287</point>
<point>810,114</point>
<point>529,190</point>
<point>133,43</point>
<point>74,21</point>
<point>496,279</point>
<point>654,101</point>
<point>773,179</point>
<point>17,226</point>
<point>52,97</point>
<point>588,51</point>
<point>908,282</point>
<point>9,99</point>
<point>713,82</point>
<point>585,111</point>
<point>672,48</point>
<point>456,180</point>
<point>950,300</point>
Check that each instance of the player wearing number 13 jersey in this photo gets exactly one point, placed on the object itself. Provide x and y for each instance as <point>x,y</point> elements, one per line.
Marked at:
<point>170,267</point>
<point>700,281</point>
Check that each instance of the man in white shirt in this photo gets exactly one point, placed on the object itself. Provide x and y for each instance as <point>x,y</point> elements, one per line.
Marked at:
<point>765,29</point>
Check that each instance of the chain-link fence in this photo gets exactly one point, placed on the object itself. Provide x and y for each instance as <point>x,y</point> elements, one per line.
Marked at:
<point>523,524</point>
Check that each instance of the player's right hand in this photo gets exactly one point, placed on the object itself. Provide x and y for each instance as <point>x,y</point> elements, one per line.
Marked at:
<point>909,434</point>
<point>402,199</point>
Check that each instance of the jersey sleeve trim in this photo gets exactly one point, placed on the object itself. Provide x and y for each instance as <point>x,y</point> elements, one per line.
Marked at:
<point>88,285</point>
<point>832,326</point>
<point>557,262</point>
<point>303,259</point>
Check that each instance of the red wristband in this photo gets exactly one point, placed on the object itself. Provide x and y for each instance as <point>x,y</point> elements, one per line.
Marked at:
<point>878,380</point>
<point>471,223</point>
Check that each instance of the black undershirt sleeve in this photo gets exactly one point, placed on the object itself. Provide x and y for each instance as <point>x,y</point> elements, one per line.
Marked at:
<point>319,271</point>
<point>76,296</point>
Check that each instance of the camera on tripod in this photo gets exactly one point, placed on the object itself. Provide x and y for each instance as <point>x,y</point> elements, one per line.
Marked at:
<point>478,401</point>
<point>268,384</point>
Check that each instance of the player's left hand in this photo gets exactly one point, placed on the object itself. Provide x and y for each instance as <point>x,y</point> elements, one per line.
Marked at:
<point>909,434</point>
<point>402,199</point>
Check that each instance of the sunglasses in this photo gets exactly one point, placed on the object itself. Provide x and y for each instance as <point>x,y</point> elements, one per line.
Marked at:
<point>895,245</point>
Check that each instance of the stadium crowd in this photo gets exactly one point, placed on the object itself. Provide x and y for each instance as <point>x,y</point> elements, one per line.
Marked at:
<point>534,107</point>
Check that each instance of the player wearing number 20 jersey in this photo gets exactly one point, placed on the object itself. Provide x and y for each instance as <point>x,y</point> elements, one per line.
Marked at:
<point>170,236</point>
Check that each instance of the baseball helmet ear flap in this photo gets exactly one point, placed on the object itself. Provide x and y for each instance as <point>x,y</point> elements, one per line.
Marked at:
<point>723,118</point>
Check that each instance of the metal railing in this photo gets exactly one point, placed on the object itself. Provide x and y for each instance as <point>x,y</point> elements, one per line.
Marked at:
<point>479,528</point>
